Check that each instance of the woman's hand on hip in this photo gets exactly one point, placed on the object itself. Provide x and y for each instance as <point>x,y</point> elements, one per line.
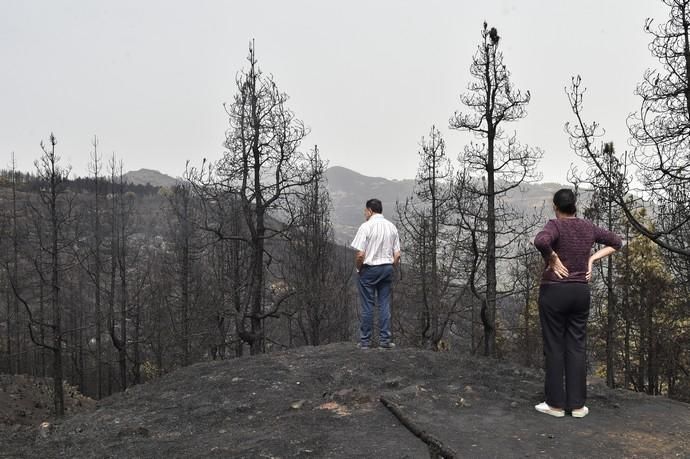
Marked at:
<point>588,276</point>
<point>557,266</point>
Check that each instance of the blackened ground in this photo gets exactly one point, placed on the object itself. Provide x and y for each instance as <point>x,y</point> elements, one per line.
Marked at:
<point>323,402</point>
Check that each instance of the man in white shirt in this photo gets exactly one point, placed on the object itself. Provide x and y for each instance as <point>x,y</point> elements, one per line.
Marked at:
<point>378,249</point>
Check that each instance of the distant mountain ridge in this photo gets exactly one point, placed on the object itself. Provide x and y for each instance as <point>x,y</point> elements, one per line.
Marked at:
<point>150,177</point>
<point>350,190</point>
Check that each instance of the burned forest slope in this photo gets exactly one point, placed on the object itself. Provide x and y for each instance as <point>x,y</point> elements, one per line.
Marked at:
<point>324,402</point>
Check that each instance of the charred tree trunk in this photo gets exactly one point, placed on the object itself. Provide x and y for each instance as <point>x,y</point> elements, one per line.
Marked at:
<point>97,270</point>
<point>15,273</point>
<point>124,298</point>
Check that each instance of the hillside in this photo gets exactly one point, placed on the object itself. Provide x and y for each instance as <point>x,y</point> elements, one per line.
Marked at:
<point>349,191</point>
<point>149,177</point>
<point>323,402</point>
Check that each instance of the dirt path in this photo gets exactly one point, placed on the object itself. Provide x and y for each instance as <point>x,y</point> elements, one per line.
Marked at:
<point>323,403</point>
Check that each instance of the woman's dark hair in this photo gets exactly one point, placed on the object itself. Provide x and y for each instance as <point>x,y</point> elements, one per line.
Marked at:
<point>375,206</point>
<point>564,200</point>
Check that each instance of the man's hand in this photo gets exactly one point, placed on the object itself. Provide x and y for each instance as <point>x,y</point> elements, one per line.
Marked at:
<point>359,260</point>
<point>557,266</point>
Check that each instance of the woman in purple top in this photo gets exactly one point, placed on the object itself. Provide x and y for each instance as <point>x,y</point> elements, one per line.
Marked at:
<point>564,296</point>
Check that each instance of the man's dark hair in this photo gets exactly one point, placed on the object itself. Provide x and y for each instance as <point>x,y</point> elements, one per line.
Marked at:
<point>564,200</point>
<point>375,206</point>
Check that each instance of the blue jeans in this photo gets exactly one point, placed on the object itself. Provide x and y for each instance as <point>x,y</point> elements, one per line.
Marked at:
<point>375,281</point>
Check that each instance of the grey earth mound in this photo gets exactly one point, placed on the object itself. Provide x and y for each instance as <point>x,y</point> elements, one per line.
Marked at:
<point>323,402</point>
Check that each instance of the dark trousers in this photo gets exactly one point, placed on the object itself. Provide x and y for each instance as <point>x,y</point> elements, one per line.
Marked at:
<point>563,312</point>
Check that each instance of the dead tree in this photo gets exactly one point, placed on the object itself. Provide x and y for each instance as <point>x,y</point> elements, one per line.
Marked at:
<point>261,169</point>
<point>15,264</point>
<point>493,167</point>
<point>526,271</point>
<point>5,222</point>
<point>120,211</point>
<point>185,240</point>
<point>7,367</point>
<point>427,222</point>
<point>13,320</point>
<point>112,274</point>
<point>54,211</point>
<point>660,132</point>
<point>95,268</point>
<point>122,271</point>
<point>312,267</point>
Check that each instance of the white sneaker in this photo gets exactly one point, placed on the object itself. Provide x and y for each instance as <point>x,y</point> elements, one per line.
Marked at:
<point>580,412</point>
<point>543,407</point>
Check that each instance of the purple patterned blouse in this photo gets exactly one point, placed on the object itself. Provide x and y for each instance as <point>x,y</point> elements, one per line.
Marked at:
<point>572,239</point>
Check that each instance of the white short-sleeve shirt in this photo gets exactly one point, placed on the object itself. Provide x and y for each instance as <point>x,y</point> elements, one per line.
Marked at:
<point>378,239</point>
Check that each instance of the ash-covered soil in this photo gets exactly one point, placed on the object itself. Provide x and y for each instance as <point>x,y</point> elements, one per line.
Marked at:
<point>26,401</point>
<point>323,402</point>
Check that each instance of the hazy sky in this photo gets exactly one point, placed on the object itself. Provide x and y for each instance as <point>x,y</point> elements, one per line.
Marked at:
<point>368,77</point>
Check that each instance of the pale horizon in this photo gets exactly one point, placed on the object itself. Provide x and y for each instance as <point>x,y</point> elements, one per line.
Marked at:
<point>149,80</point>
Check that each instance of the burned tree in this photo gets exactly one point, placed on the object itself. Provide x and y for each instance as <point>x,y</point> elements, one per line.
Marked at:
<point>120,215</point>
<point>261,168</point>
<point>491,168</point>
<point>316,272</point>
<point>11,234</point>
<point>53,215</point>
<point>427,222</point>
<point>93,263</point>
<point>660,132</point>
<point>184,266</point>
